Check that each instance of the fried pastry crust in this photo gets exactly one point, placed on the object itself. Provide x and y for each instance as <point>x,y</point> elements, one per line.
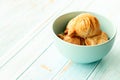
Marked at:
<point>73,39</point>
<point>83,25</point>
<point>96,39</point>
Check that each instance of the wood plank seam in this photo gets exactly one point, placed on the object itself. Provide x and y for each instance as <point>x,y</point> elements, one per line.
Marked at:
<point>58,74</point>
<point>67,63</point>
<point>87,78</point>
<point>33,34</point>
<point>34,61</point>
<point>54,78</point>
<point>26,41</point>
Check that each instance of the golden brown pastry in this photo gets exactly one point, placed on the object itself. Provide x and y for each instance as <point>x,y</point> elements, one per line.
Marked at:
<point>84,29</point>
<point>73,40</point>
<point>97,39</point>
<point>83,25</point>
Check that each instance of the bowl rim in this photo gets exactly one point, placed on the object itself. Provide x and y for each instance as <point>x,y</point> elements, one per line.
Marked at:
<point>70,44</point>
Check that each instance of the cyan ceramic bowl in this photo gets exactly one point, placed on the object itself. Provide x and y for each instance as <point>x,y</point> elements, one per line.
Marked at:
<point>79,53</point>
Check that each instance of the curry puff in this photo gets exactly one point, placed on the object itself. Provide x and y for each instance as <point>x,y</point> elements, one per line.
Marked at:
<point>84,29</point>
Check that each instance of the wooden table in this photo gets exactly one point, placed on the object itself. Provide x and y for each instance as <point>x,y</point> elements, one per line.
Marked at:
<point>27,50</point>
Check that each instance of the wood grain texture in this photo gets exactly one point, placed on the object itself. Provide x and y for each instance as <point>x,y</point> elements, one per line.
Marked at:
<point>22,19</point>
<point>75,71</point>
<point>46,67</point>
<point>79,71</point>
<point>31,21</point>
<point>108,68</point>
<point>26,56</point>
<point>22,23</point>
<point>27,50</point>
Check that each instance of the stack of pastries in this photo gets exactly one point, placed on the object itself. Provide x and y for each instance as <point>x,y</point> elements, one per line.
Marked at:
<point>84,29</point>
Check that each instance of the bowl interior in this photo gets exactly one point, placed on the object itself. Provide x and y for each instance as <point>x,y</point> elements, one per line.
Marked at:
<point>61,22</point>
<point>83,54</point>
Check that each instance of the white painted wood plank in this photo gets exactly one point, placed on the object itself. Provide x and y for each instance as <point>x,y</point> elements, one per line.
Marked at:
<point>78,71</point>
<point>108,69</point>
<point>25,23</point>
<point>77,5</point>
<point>46,66</point>
<point>15,66</point>
<point>15,24</point>
<point>26,56</point>
<point>108,8</point>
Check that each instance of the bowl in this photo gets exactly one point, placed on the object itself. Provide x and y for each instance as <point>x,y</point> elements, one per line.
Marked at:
<point>81,53</point>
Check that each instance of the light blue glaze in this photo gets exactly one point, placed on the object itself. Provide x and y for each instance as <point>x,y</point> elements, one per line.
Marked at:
<point>83,54</point>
